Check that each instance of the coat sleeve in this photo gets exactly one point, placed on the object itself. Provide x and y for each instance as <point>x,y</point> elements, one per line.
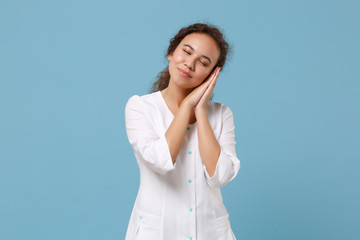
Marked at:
<point>149,145</point>
<point>228,164</point>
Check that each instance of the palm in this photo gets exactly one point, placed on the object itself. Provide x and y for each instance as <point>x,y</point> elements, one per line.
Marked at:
<point>204,99</point>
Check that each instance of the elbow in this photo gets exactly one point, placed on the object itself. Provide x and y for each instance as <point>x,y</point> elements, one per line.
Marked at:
<point>161,165</point>
<point>226,170</point>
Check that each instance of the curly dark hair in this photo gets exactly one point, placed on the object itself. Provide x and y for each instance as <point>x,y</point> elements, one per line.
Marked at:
<point>163,77</point>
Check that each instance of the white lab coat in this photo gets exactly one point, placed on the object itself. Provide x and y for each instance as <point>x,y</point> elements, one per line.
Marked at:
<point>178,201</point>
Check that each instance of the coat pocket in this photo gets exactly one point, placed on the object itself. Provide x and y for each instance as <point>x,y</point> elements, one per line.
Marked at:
<point>149,226</point>
<point>222,226</point>
<point>222,223</point>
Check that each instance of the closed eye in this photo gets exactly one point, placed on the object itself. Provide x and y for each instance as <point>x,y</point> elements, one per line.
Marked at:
<point>204,64</point>
<point>187,52</point>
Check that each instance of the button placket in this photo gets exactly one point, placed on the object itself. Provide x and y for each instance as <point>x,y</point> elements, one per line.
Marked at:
<point>190,180</point>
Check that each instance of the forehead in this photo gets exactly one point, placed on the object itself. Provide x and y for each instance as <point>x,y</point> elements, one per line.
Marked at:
<point>202,44</point>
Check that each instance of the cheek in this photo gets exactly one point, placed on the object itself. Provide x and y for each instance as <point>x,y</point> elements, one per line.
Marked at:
<point>200,79</point>
<point>176,55</point>
<point>204,74</point>
<point>178,58</point>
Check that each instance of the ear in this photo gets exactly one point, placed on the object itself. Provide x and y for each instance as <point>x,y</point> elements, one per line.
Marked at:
<point>170,56</point>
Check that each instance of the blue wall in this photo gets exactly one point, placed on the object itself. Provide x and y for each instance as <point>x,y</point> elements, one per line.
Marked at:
<point>67,69</point>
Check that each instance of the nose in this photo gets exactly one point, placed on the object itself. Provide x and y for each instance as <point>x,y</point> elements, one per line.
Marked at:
<point>190,63</point>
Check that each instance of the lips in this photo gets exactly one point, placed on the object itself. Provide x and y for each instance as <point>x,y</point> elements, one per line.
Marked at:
<point>184,73</point>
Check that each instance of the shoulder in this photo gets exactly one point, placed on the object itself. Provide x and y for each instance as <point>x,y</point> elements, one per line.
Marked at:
<point>218,109</point>
<point>220,117</point>
<point>140,101</point>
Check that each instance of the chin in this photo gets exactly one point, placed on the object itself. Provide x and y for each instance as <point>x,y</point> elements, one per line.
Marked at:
<point>184,86</point>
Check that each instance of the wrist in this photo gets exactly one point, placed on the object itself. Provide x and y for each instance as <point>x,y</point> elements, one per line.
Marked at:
<point>200,112</point>
<point>185,106</point>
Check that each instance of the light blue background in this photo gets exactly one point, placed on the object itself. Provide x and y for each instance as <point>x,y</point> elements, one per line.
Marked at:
<point>68,67</point>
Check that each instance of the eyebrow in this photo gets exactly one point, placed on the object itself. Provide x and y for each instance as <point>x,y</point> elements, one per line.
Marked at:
<point>187,45</point>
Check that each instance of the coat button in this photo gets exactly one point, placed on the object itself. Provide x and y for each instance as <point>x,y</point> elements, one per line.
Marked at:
<point>189,180</point>
<point>189,152</point>
<point>190,209</point>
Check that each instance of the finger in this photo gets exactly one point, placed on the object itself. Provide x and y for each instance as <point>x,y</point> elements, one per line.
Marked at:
<point>213,75</point>
<point>205,85</point>
<point>215,78</point>
<point>217,74</point>
<point>209,90</point>
<point>202,89</point>
<point>199,92</point>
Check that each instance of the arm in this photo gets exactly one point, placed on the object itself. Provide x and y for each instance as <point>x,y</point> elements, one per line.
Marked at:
<point>149,145</point>
<point>177,130</point>
<point>228,164</point>
<point>219,157</point>
<point>158,150</point>
<point>208,145</point>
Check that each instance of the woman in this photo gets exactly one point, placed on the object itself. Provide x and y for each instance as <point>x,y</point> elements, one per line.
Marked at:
<point>184,144</point>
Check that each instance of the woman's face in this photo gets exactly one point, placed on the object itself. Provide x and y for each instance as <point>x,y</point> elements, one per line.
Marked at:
<point>193,60</point>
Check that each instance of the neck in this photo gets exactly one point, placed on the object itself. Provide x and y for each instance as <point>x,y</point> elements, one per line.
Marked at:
<point>174,95</point>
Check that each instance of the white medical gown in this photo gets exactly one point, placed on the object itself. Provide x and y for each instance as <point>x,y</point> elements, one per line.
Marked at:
<point>178,201</point>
